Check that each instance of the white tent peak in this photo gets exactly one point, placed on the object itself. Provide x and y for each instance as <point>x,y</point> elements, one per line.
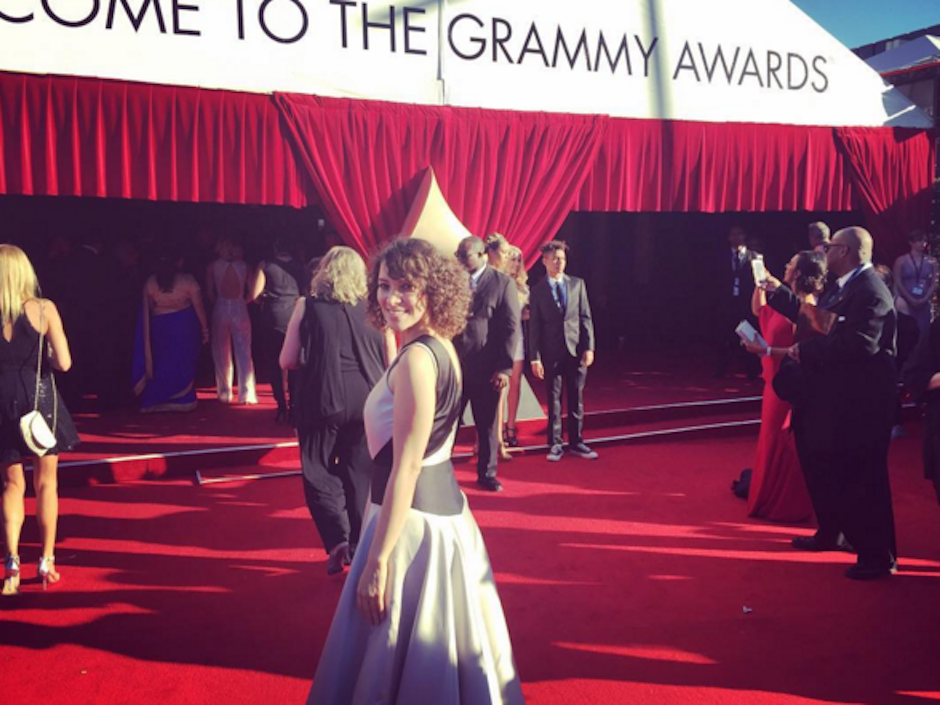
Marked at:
<point>430,217</point>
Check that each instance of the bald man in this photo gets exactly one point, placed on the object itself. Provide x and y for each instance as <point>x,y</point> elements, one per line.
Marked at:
<point>842,418</point>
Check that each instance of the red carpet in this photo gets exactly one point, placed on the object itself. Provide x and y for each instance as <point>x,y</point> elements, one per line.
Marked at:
<point>624,580</point>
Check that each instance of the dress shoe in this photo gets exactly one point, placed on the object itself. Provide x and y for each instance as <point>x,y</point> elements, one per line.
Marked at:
<point>490,484</point>
<point>339,559</point>
<point>816,545</point>
<point>870,571</point>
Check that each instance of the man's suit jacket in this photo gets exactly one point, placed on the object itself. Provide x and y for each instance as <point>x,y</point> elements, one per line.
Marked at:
<point>493,328</point>
<point>850,375</point>
<point>724,280</point>
<point>553,334</point>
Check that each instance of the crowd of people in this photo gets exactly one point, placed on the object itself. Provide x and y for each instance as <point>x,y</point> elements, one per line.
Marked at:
<point>837,331</point>
<point>375,366</point>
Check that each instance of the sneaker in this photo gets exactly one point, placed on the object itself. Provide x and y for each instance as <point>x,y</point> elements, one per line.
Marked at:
<point>554,455</point>
<point>582,451</point>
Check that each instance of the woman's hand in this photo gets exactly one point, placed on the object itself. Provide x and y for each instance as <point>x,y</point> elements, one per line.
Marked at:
<point>771,283</point>
<point>370,593</point>
<point>754,348</point>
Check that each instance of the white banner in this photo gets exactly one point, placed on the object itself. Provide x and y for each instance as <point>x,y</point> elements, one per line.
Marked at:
<point>715,60</point>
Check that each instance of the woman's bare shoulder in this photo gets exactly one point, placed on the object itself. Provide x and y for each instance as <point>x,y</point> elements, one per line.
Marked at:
<point>47,306</point>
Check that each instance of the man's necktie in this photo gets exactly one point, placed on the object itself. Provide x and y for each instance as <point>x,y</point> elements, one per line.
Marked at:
<point>559,293</point>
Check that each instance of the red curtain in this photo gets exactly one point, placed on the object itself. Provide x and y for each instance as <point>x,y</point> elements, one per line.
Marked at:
<point>664,166</point>
<point>65,136</point>
<point>512,172</point>
<point>892,170</point>
<point>518,173</point>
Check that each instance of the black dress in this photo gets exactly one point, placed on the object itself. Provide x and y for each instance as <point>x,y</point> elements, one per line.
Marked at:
<point>17,392</point>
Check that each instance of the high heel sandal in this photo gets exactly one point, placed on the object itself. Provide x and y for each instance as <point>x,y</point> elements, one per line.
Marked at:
<point>11,576</point>
<point>504,454</point>
<point>511,437</point>
<point>47,572</point>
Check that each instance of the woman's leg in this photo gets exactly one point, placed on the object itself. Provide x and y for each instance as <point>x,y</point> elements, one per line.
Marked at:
<point>14,491</point>
<point>14,508</point>
<point>500,415</point>
<point>241,340</point>
<point>222,352</point>
<point>515,392</point>
<point>46,484</point>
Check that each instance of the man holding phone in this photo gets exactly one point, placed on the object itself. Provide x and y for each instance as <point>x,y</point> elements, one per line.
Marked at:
<point>733,291</point>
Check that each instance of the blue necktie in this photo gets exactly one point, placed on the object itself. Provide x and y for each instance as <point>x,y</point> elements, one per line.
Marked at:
<point>560,296</point>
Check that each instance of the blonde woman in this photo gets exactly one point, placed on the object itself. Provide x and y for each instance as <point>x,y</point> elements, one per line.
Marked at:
<point>515,268</point>
<point>497,256</point>
<point>338,358</point>
<point>25,318</point>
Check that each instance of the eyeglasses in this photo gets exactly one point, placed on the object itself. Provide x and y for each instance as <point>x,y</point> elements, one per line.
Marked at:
<point>829,245</point>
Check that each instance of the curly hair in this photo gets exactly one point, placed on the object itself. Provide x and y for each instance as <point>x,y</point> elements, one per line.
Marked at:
<point>812,268</point>
<point>340,276</point>
<point>441,279</point>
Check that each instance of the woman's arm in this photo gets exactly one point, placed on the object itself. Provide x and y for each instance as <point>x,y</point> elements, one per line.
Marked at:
<point>290,351</point>
<point>932,283</point>
<point>413,384</point>
<point>758,300</point>
<point>196,297</point>
<point>55,332</point>
<point>148,354</point>
<point>257,284</point>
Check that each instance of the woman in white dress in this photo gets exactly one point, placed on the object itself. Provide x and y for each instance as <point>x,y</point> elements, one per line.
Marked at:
<point>419,620</point>
<point>226,287</point>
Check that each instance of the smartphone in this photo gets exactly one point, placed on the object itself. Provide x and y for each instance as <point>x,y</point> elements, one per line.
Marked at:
<point>760,272</point>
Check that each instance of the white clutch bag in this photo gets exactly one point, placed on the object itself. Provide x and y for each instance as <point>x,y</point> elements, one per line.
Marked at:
<point>36,433</point>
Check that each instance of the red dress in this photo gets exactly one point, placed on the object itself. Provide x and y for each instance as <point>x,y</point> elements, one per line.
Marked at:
<point>778,491</point>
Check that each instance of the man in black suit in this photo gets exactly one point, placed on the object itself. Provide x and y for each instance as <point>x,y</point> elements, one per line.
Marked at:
<point>735,286</point>
<point>561,347</point>
<point>843,415</point>
<point>486,349</point>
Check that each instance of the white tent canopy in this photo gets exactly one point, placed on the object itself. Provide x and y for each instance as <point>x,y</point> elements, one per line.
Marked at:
<point>758,61</point>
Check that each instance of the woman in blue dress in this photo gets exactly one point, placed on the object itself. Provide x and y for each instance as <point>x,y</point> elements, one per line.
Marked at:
<point>170,333</point>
